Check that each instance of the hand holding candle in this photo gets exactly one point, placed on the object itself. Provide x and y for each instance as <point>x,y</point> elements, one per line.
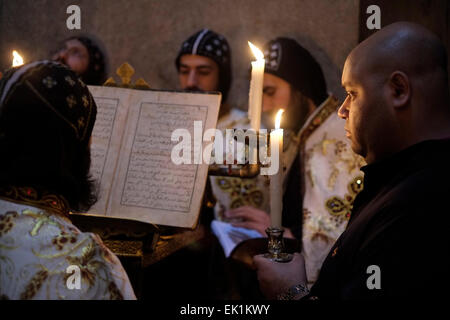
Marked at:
<point>276,180</point>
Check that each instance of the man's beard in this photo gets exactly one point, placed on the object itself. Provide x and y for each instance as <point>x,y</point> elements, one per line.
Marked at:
<point>268,119</point>
<point>295,114</point>
<point>193,89</point>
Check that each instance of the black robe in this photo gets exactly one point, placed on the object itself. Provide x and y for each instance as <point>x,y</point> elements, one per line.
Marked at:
<point>399,223</point>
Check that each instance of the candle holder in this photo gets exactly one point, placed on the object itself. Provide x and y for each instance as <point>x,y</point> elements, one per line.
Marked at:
<point>275,246</point>
<point>246,170</point>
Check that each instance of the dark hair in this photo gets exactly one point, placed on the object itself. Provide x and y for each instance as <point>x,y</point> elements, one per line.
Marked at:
<point>298,111</point>
<point>44,155</point>
<point>287,59</point>
<point>210,44</point>
<point>97,69</point>
<point>47,116</point>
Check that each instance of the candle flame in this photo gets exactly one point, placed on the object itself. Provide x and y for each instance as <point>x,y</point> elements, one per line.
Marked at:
<point>17,59</point>
<point>256,52</point>
<point>278,119</point>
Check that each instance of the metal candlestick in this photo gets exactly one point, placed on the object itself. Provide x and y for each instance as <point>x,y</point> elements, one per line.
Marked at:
<point>275,245</point>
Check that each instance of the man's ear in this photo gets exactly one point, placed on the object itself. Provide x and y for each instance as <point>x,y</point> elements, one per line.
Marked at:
<point>399,89</point>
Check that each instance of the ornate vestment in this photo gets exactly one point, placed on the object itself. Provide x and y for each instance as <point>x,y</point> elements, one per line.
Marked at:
<point>331,181</point>
<point>38,244</point>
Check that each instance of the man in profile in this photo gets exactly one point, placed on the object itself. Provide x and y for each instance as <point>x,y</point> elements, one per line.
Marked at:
<point>397,114</point>
<point>319,165</point>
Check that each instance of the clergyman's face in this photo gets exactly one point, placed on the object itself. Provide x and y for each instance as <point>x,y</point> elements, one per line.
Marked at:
<point>279,94</point>
<point>75,55</point>
<point>198,73</point>
<point>364,111</point>
<point>276,95</point>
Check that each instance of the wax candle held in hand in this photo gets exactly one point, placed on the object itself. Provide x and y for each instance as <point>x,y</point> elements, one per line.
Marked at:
<point>276,180</point>
<point>256,88</point>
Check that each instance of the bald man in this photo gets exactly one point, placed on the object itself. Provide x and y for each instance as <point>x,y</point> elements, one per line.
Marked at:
<point>397,116</point>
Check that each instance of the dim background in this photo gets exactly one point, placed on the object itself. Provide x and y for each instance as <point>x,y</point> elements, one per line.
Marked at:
<point>148,34</point>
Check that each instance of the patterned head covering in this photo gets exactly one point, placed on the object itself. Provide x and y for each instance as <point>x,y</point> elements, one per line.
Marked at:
<point>58,93</point>
<point>96,71</point>
<point>209,44</point>
<point>286,59</point>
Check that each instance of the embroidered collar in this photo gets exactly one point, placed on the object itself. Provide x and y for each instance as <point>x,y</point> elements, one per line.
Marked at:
<point>37,198</point>
<point>319,116</point>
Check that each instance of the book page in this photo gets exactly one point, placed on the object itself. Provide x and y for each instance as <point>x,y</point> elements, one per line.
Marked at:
<point>112,109</point>
<point>230,236</point>
<point>149,186</point>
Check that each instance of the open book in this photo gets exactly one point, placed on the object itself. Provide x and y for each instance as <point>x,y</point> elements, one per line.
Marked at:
<point>131,154</point>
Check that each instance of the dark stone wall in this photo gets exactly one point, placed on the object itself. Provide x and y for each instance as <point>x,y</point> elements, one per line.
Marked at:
<point>148,34</point>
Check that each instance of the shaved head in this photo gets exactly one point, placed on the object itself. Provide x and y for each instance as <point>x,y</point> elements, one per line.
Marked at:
<point>405,47</point>
<point>397,87</point>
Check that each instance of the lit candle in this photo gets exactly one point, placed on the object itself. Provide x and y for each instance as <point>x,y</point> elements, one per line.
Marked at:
<point>276,180</point>
<point>17,59</point>
<point>256,88</point>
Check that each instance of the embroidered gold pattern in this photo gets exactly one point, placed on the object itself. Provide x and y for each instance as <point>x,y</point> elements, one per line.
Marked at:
<point>319,231</point>
<point>85,101</point>
<point>114,292</point>
<point>242,192</point>
<point>33,197</point>
<point>81,122</point>
<point>62,239</point>
<point>41,271</point>
<point>71,101</point>
<point>40,218</point>
<point>87,265</point>
<point>70,80</point>
<point>330,107</point>
<point>320,235</point>
<point>350,160</point>
<point>49,82</point>
<point>105,252</point>
<point>6,222</point>
<point>34,285</point>
<point>341,208</point>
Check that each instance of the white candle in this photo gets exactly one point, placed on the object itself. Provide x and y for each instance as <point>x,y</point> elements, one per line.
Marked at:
<point>256,88</point>
<point>17,59</point>
<point>276,180</point>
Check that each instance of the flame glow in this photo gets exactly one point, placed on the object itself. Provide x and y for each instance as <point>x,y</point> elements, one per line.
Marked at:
<point>278,119</point>
<point>17,59</point>
<point>256,52</point>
